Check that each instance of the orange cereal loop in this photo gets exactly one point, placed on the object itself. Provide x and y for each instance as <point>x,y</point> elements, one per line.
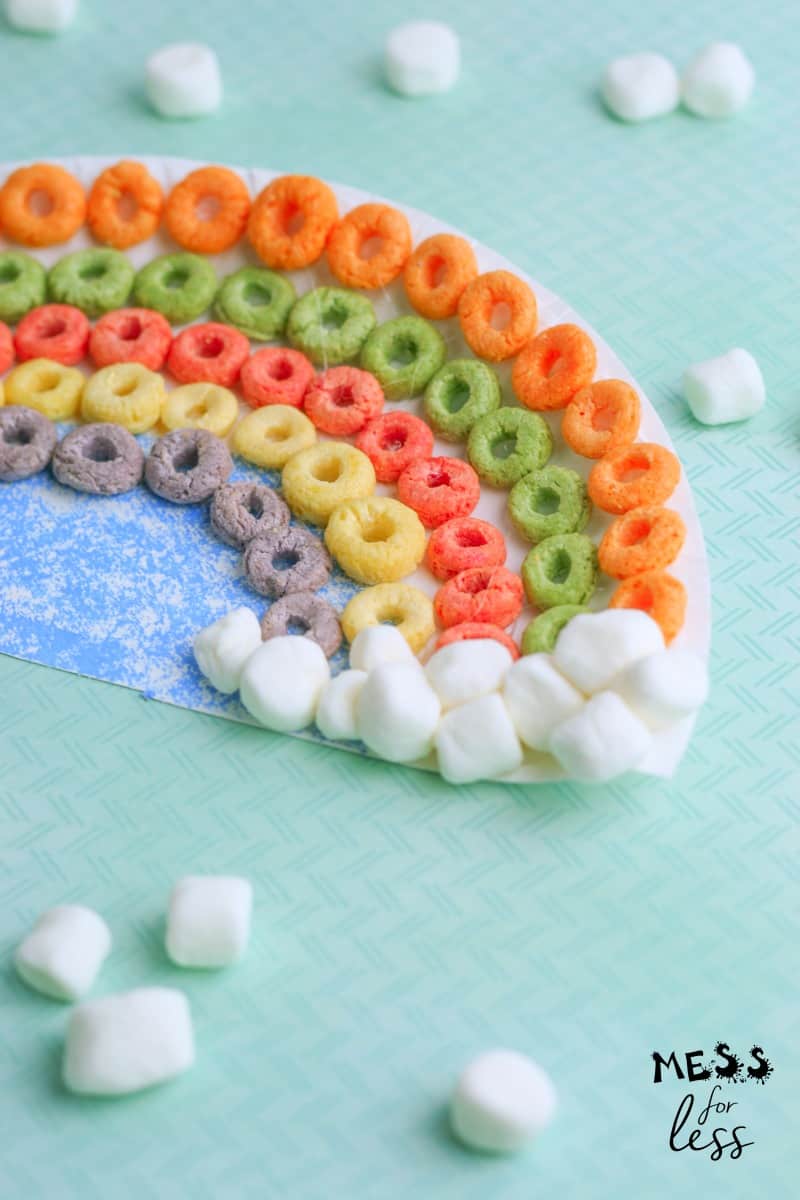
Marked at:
<point>553,367</point>
<point>498,315</point>
<point>661,596</point>
<point>644,539</point>
<point>437,273</point>
<point>291,220</point>
<point>207,211</point>
<point>602,417</point>
<point>125,205</point>
<point>369,246</point>
<point>41,205</point>
<point>632,476</point>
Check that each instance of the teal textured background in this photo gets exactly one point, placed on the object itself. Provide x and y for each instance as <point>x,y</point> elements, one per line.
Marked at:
<point>402,925</point>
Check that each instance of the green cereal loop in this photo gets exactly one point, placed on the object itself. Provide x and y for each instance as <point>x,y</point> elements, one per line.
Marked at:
<point>331,324</point>
<point>23,285</point>
<point>95,280</point>
<point>179,286</point>
<point>256,301</point>
<point>560,570</point>
<point>463,390</point>
<point>553,500</point>
<point>541,634</point>
<point>404,354</point>
<point>507,444</point>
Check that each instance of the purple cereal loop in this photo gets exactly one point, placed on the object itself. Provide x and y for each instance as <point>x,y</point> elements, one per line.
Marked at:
<point>102,459</point>
<point>187,466</point>
<point>292,561</point>
<point>27,441</point>
<point>318,618</point>
<point>243,511</point>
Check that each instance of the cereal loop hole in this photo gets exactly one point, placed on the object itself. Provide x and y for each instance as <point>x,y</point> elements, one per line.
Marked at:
<point>370,247</point>
<point>186,459</point>
<point>284,560</point>
<point>327,471</point>
<point>207,208</point>
<point>546,501</point>
<point>634,532</point>
<point>559,567</point>
<point>379,530</point>
<point>457,393</point>
<point>39,203</point>
<point>403,351</point>
<point>100,450</point>
<point>130,329</point>
<point>9,273</point>
<point>503,447</point>
<point>256,295</point>
<point>500,317</point>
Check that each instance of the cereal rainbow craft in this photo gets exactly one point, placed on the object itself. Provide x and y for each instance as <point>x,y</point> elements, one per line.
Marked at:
<point>395,485</point>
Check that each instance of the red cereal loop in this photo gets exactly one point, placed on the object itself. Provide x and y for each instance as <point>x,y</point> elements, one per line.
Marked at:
<point>490,595</point>
<point>131,335</point>
<point>660,595</point>
<point>6,348</point>
<point>392,441</point>
<point>553,367</point>
<point>476,630</point>
<point>276,376</point>
<point>56,331</point>
<point>208,353</point>
<point>342,400</point>
<point>439,489</point>
<point>463,543</point>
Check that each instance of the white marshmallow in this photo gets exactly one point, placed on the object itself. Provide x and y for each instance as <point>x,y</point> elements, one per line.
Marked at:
<point>377,644</point>
<point>208,922</point>
<point>397,712</point>
<point>719,81</point>
<point>601,741</point>
<point>594,647</point>
<point>41,16</point>
<point>664,687</point>
<point>641,86</point>
<point>538,698</point>
<point>422,57</point>
<point>222,649</point>
<point>477,741</point>
<point>336,712</point>
<point>183,80</point>
<point>501,1102</point>
<point>128,1041</point>
<point>727,388</point>
<point>64,951</point>
<point>282,681</point>
<point>463,671</point>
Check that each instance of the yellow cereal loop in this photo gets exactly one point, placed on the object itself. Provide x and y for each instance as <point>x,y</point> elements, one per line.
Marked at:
<point>52,389</point>
<point>201,406</point>
<point>125,393</point>
<point>316,480</point>
<point>377,540</point>
<point>399,604</point>
<point>271,435</point>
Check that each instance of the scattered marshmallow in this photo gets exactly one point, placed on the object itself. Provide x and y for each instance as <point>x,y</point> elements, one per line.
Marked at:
<point>41,16</point>
<point>719,81</point>
<point>538,698</point>
<point>501,1102</point>
<point>641,86</point>
<point>183,80</point>
<point>594,647</point>
<point>397,712</point>
<point>601,741</point>
<point>336,712</point>
<point>422,57</point>
<point>465,670</point>
<point>128,1041</point>
<point>222,649</point>
<point>282,681</point>
<point>727,388</point>
<point>664,687</point>
<point>208,923</point>
<point>477,741</point>
<point>378,644</point>
<point>64,951</point>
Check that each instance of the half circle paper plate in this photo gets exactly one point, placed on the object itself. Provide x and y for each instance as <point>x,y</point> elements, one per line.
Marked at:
<point>115,589</point>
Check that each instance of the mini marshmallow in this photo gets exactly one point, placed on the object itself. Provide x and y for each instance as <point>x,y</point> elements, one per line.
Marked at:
<point>208,922</point>
<point>538,698</point>
<point>397,712</point>
<point>422,57</point>
<point>727,388</point>
<point>477,741</point>
<point>719,81</point>
<point>128,1041</point>
<point>463,671</point>
<point>502,1101</point>
<point>377,644</point>
<point>594,647</point>
<point>641,86</point>
<point>601,741</point>
<point>336,712</point>
<point>222,649</point>
<point>64,951</point>
<point>664,687</point>
<point>282,681</point>
<point>41,16</point>
<point>183,80</point>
